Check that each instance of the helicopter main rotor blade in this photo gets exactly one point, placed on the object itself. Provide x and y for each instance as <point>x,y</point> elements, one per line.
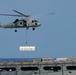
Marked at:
<point>21,13</point>
<point>10,15</point>
<point>40,15</point>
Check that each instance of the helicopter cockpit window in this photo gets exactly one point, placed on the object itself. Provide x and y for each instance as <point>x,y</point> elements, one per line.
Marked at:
<point>24,20</point>
<point>33,21</point>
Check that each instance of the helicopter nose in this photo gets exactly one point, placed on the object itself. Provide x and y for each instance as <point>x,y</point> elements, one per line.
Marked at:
<point>39,24</point>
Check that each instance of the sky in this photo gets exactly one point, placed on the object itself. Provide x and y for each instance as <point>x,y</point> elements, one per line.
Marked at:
<point>56,37</point>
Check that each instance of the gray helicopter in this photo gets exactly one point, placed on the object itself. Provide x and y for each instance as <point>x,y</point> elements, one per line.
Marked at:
<point>26,22</point>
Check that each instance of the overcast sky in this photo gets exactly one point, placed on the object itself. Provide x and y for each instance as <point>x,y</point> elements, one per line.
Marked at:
<point>55,38</point>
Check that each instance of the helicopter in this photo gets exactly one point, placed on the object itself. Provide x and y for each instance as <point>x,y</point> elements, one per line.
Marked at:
<point>26,22</point>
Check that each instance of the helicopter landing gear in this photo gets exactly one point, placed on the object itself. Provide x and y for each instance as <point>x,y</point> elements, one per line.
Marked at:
<point>15,30</point>
<point>33,28</point>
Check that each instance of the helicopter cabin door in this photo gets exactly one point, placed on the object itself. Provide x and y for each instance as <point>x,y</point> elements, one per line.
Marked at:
<point>24,23</point>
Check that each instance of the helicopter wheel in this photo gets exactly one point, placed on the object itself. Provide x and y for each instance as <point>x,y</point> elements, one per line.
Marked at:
<point>15,30</point>
<point>33,29</point>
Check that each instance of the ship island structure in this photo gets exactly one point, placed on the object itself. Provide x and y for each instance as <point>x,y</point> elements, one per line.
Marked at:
<point>38,66</point>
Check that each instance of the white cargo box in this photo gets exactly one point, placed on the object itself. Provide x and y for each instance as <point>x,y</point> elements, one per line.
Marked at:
<point>27,48</point>
<point>61,59</point>
<point>47,59</point>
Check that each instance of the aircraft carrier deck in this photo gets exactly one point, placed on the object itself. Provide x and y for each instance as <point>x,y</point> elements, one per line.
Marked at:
<point>38,66</point>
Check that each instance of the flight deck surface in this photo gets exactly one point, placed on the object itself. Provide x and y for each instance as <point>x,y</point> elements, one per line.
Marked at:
<point>37,66</point>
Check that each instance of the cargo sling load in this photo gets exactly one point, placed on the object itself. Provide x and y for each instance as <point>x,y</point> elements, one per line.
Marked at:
<point>27,48</point>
